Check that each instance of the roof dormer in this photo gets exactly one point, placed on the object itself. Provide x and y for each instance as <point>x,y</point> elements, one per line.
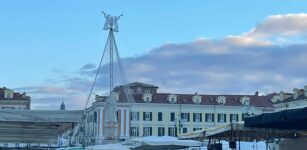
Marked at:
<point>196,98</point>
<point>245,100</point>
<point>147,97</point>
<point>221,100</point>
<point>275,98</point>
<point>172,98</point>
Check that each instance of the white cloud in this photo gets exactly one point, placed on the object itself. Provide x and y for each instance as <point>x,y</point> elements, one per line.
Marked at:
<point>280,26</point>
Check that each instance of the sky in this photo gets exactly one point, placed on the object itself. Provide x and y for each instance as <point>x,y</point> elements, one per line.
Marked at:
<point>51,49</point>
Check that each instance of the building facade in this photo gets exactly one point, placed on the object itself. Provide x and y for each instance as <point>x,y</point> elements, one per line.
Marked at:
<point>284,101</point>
<point>159,114</point>
<point>12,100</point>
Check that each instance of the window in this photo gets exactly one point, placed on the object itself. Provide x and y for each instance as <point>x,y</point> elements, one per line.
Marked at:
<point>246,103</point>
<point>147,131</point>
<point>147,99</point>
<point>185,117</point>
<point>172,131</point>
<point>196,129</point>
<point>172,98</point>
<point>147,91</point>
<point>159,116</point>
<point>209,117</point>
<point>172,116</point>
<point>147,116</point>
<point>131,91</point>
<point>196,99</point>
<point>221,118</point>
<point>134,131</point>
<point>234,117</point>
<point>197,117</point>
<point>135,116</point>
<point>184,130</point>
<point>160,131</point>
<point>139,90</point>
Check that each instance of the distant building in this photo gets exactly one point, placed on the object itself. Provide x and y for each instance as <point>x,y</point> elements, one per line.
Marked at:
<point>160,114</point>
<point>297,99</point>
<point>62,106</point>
<point>11,100</point>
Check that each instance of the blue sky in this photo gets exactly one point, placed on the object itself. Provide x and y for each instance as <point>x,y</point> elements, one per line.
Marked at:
<point>44,42</point>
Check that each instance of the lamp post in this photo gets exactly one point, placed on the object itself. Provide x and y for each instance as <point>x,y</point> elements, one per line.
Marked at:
<point>175,124</point>
<point>180,125</point>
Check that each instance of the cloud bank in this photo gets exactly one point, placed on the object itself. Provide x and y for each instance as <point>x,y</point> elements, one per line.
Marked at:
<point>268,58</point>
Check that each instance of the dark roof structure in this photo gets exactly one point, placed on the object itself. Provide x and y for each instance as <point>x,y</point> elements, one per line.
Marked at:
<point>287,119</point>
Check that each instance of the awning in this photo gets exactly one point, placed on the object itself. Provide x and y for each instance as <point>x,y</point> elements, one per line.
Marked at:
<point>287,119</point>
<point>236,131</point>
<point>36,126</point>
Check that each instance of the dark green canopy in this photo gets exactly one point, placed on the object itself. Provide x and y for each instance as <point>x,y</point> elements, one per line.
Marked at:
<point>288,119</point>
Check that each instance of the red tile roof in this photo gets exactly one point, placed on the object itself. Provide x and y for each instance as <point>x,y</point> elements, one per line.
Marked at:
<point>231,100</point>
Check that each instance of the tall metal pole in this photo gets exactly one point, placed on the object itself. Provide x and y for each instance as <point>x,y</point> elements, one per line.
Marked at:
<point>111,60</point>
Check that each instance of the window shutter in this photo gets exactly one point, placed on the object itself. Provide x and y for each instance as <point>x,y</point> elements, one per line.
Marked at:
<point>188,117</point>
<point>172,116</point>
<point>225,118</point>
<point>213,117</point>
<point>231,116</point>
<point>201,118</point>
<point>163,133</point>
<point>143,131</point>
<point>169,131</point>
<point>194,117</point>
<point>237,119</point>
<point>176,132</point>
<point>206,117</point>
<point>150,131</point>
<point>150,116</point>
<point>143,116</point>
<point>219,117</point>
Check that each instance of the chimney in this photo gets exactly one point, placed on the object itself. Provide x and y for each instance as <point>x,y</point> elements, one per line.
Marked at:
<point>256,93</point>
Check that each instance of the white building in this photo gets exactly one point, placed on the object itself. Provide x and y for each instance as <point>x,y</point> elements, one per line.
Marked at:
<point>159,114</point>
<point>297,99</point>
<point>11,100</point>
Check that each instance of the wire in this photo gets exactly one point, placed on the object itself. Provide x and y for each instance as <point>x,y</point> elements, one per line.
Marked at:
<point>96,76</point>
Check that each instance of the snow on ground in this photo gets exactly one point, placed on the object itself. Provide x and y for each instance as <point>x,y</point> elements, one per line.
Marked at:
<point>166,140</point>
<point>108,147</point>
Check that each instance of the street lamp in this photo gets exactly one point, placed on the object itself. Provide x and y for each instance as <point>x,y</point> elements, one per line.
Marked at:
<point>175,124</point>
